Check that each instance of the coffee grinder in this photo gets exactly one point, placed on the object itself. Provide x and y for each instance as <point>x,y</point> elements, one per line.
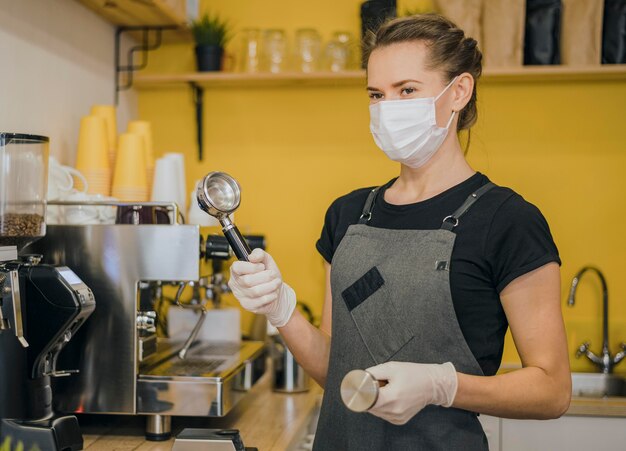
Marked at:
<point>41,306</point>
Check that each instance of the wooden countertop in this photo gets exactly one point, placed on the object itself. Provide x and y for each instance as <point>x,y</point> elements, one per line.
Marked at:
<point>265,419</point>
<point>600,407</point>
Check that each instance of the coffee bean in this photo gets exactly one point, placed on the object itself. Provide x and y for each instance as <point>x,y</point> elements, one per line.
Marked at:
<point>16,228</point>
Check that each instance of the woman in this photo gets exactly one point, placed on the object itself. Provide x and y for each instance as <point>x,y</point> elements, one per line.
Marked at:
<point>428,270</point>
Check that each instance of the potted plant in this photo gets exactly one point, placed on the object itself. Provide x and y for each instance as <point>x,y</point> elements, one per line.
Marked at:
<point>211,35</point>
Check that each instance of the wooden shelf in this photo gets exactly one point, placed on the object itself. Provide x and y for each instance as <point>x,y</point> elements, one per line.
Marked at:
<point>144,13</point>
<point>608,72</point>
<point>356,78</point>
<point>242,80</point>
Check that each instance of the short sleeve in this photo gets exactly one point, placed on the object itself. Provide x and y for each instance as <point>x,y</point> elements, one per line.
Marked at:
<point>326,243</point>
<point>519,241</point>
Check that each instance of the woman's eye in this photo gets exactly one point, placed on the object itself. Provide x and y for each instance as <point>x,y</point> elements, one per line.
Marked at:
<point>375,95</point>
<point>408,91</point>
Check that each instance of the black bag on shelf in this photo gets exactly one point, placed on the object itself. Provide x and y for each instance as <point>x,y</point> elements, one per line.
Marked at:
<point>614,32</point>
<point>543,32</point>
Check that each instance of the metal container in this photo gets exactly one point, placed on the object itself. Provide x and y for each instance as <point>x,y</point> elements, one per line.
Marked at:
<point>359,390</point>
<point>23,185</point>
<point>287,375</point>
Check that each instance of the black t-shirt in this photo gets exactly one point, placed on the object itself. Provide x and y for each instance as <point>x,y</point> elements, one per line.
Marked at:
<point>500,238</point>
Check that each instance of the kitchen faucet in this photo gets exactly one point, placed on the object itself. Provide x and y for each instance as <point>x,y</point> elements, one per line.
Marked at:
<point>606,362</point>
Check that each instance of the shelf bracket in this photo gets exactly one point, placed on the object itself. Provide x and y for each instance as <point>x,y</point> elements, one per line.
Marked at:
<point>147,44</point>
<point>198,100</point>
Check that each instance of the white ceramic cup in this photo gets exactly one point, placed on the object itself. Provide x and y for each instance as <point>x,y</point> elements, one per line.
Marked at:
<point>80,214</point>
<point>106,214</point>
<point>59,180</point>
<point>61,185</point>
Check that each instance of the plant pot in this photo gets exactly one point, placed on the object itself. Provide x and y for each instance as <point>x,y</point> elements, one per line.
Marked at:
<point>209,57</point>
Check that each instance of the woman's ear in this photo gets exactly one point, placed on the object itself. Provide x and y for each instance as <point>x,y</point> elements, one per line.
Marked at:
<point>462,89</point>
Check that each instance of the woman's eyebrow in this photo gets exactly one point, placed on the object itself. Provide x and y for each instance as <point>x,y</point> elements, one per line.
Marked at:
<point>400,83</point>
<point>396,84</point>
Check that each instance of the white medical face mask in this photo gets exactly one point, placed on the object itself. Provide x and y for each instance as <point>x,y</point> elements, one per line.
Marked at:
<point>406,130</point>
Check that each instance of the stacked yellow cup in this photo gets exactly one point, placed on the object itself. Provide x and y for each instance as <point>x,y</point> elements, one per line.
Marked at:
<point>129,178</point>
<point>92,156</point>
<point>144,129</point>
<point>107,112</point>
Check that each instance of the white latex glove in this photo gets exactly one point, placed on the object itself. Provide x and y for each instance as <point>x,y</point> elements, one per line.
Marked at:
<point>411,387</point>
<point>259,288</point>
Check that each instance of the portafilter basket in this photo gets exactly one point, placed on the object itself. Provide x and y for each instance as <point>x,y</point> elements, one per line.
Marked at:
<point>219,195</point>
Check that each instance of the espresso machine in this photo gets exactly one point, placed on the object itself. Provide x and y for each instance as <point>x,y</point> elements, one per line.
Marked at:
<point>41,306</point>
<point>128,365</point>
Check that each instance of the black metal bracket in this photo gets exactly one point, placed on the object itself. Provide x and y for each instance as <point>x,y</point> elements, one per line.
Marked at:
<point>147,44</point>
<point>198,100</point>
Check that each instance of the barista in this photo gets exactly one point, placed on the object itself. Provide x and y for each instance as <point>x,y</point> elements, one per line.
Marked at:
<point>428,270</point>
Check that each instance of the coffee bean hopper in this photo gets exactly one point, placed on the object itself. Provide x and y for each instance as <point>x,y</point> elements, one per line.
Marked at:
<point>41,306</point>
<point>23,183</point>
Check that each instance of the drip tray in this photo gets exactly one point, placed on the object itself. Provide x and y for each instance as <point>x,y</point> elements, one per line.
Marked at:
<point>205,359</point>
<point>192,367</point>
<point>209,381</point>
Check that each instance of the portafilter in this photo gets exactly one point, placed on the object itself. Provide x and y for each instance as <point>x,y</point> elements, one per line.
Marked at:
<point>219,195</point>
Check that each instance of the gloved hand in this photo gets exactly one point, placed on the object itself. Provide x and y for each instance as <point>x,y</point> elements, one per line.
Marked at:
<point>411,387</point>
<point>259,288</point>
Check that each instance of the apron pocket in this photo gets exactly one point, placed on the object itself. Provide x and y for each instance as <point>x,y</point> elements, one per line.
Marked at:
<point>379,321</point>
<point>363,288</point>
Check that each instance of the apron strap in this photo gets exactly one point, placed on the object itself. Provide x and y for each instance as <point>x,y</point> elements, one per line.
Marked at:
<point>366,215</point>
<point>451,221</point>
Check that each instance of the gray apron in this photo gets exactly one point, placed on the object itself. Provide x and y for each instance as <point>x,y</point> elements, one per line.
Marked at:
<point>392,302</point>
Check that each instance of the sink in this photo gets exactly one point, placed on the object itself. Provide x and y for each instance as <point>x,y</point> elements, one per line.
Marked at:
<point>597,385</point>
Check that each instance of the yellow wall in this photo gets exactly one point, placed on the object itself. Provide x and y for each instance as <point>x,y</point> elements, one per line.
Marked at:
<point>294,150</point>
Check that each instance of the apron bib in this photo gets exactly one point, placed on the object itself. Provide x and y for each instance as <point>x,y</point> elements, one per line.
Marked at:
<point>392,302</point>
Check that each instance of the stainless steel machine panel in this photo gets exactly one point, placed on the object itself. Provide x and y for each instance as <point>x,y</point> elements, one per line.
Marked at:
<point>112,259</point>
<point>208,382</point>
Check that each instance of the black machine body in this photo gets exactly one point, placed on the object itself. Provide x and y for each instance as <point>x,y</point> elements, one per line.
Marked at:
<point>44,311</point>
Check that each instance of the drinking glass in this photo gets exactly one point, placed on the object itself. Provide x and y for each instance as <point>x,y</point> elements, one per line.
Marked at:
<point>274,50</point>
<point>250,50</point>
<point>340,52</point>
<point>307,50</point>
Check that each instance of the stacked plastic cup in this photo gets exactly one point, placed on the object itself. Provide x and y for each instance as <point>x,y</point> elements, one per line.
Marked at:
<point>107,112</point>
<point>129,178</point>
<point>169,180</point>
<point>92,156</point>
<point>144,129</point>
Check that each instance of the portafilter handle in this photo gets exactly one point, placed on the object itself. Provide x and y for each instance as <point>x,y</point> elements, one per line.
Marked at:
<point>217,247</point>
<point>237,242</point>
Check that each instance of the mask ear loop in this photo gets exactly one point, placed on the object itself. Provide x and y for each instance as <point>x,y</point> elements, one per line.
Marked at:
<point>446,88</point>
<point>440,94</point>
<point>450,120</point>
